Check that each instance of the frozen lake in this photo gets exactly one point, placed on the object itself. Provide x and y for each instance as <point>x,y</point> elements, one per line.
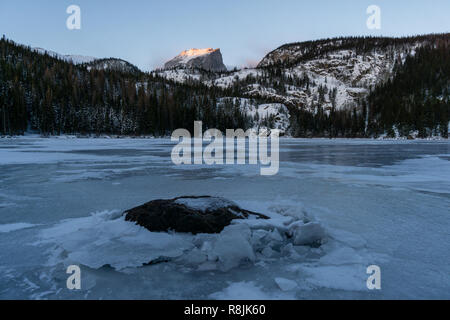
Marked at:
<point>382,203</point>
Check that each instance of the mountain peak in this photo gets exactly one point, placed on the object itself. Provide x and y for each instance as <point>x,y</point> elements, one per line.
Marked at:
<point>197,52</point>
<point>208,59</point>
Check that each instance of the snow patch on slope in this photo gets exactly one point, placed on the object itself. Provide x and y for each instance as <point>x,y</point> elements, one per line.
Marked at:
<point>265,117</point>
<point>75,59</point>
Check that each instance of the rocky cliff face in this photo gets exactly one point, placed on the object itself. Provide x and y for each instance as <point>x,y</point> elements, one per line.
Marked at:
<point>206,59</point>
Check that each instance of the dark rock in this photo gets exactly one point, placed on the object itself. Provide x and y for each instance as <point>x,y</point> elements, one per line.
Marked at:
<point>189,215</point>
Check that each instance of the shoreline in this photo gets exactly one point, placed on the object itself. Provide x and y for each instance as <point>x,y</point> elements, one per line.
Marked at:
<point>144,137</point>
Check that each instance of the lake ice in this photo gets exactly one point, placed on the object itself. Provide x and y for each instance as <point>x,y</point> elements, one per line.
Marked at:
<point>382,203</point>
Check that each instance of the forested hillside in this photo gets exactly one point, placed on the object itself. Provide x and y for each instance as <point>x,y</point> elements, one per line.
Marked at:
<point>41,93</point>
<point>344,87</point>
<point>417,98</point>
<point>415,101</point>
<point>292,54</point>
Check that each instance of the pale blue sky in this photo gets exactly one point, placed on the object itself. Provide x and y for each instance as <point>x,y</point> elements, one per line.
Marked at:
<point>148,32</point>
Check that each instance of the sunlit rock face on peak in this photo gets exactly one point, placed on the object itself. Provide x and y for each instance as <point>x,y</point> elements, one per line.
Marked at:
<point>207,59</point>
<point>197,52</point>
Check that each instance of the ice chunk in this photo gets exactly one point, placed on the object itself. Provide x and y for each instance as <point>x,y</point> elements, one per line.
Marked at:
<point>232,247</point>
<point>286,284</point>
<point>307,234</point>
<point>105,238</point>
<point>275,235</point>
<point>348,277</point>
<point>268,252</point>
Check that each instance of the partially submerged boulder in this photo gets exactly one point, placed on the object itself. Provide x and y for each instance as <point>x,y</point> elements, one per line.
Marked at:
<point>189,215</point>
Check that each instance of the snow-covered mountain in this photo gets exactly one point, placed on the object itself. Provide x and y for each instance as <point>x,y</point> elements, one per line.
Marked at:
<point>336,80</point>
<point>207,59</point>
<point>113,64</point>
<point>314,88</point>
<point>330,73</point>
<point>75,59</point>
<point>92,62</point>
